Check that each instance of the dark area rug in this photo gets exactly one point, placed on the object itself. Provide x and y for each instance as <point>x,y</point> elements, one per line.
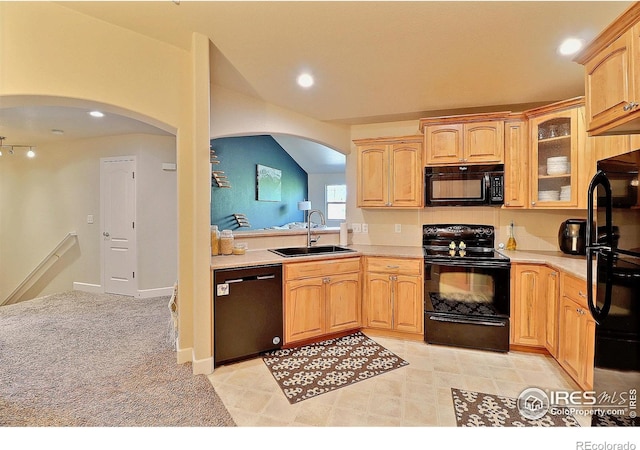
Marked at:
<point>85,360</point>
<point>477,409</point>
<point>609,420</point>
<point>307,371</point>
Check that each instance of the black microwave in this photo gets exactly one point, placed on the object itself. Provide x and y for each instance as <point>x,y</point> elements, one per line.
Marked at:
<point>470,185</point>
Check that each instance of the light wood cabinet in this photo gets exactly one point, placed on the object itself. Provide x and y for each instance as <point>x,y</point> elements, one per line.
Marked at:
<point>576,331</point>
<point>321,297</point>
<point>393,293</point>
<point>561,161</point>
<point>608,146</point>
<point>612,84</point>
<point>551,280</point>
<point>468,139</point>
<point>527,305</point>
<point>390,172</point>
<point>516,162</point>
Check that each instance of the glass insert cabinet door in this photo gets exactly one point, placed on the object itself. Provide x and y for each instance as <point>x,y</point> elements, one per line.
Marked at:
<point>555,163</point>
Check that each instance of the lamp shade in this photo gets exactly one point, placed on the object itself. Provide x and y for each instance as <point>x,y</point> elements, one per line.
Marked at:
<point>304,206</point>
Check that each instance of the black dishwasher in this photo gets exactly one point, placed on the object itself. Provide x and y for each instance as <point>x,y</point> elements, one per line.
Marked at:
<point>247,312</point>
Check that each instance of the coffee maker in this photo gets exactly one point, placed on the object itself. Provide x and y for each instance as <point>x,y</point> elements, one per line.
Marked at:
<point>572,236</point>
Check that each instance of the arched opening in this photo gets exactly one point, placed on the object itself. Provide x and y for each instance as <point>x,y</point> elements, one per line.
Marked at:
<point>58,191</point>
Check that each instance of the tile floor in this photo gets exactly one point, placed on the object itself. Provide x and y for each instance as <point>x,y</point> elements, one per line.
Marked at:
<point>416,395</point>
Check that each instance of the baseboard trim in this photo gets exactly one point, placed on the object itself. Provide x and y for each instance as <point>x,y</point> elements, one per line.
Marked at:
<point>203,366</point>
<point>184,355</point>
<point>157,292</point>
<point>87,287</point>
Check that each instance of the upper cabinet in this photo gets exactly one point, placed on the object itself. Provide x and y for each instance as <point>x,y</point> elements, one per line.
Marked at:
<point>612,77</point>
<point>516,162</point>
<point>466,139</point>
<point>561,162</point>
<point>390,172</point>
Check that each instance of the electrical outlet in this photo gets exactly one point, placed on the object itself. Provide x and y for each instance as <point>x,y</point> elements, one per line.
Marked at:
<point>357,228</point>
<point>398,228</point>
<point>365,228</point>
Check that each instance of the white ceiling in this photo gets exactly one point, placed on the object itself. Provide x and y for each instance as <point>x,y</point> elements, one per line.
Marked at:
<point>373,61</point>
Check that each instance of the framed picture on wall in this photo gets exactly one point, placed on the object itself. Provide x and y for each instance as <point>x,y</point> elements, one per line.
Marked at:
<point>269,183</point>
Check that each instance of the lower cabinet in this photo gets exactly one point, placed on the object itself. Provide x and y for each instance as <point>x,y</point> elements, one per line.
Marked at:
<point>321,297</point>
<point>393,291</point>
<point>549,310</point>
<point>552,293</point>
<point>527,305</point>
<point>576,332</point>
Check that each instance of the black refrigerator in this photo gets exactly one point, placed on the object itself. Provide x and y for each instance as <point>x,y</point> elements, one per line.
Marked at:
<point>613,263</point>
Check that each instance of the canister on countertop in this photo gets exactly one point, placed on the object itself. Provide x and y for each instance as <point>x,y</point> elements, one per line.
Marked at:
<point>215,240</point>
<point>226,242</point>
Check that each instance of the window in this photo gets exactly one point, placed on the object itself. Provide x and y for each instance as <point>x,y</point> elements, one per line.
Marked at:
<point>336,195</point>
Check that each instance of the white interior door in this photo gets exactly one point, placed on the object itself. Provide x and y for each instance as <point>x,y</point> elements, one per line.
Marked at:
<point>118,212</point>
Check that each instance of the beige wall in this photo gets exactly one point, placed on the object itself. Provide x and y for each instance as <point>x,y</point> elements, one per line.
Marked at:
<point>46,197</point>
<point>49,50</point>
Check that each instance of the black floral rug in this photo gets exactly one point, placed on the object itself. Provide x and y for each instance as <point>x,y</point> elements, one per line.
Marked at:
<point>311,370</point>
<point>477,409</point>
<point>609,420</point>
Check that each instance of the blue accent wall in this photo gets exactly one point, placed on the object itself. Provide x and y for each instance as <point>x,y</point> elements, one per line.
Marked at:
<point>238,158</point>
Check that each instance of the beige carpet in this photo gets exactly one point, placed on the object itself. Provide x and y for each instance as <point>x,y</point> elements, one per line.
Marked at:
<point>314,369</point>
<point>82,360</point>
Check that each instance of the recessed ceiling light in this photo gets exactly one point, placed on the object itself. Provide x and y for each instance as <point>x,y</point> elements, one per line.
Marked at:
<point>58,132</point>
<point>96,114</point>
<point>570,46</point>
<point>305,80</point>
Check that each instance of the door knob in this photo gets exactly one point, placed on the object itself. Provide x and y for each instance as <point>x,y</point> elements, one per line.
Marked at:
<point>105,234</point>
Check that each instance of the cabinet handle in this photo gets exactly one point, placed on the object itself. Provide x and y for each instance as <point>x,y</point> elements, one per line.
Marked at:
<point>326,280</point>
<point>506,203</point>
<point>533,203</point>
<point>580,311</point>
<point>393,267</point>
<point>630,106</point>
<point>582,294</point>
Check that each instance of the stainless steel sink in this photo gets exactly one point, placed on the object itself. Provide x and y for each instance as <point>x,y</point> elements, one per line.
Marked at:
<point>307,251</point>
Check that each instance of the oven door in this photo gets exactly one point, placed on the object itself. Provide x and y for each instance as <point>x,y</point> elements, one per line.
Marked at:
<point>453,186</point>
<point>467,304</point>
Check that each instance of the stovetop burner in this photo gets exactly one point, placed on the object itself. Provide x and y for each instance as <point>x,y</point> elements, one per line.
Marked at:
<point>460,242</point>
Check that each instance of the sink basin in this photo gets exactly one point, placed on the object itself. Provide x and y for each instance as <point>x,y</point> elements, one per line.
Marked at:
<point>307,251</point>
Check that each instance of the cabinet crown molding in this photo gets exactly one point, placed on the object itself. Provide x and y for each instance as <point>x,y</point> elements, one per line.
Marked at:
<point>463,118</point>
<point>389,140</point>
<point>617,28</point>
<point>554,107</point>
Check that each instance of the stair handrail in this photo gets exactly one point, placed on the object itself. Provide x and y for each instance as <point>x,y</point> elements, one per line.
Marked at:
<point>41,268</point>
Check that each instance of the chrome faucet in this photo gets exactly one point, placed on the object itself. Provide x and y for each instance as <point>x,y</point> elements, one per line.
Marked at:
<point>309,240</point>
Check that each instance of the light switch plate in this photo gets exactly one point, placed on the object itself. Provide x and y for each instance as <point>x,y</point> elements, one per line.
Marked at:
<point>365,228</point>
<point>357,228</point>
<point>398,228</point>
<point>90,218</point>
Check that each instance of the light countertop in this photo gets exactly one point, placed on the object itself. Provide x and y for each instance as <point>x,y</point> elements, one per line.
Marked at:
<point>575,265</point>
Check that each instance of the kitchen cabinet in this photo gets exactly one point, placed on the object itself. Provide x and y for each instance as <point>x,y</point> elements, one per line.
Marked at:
<point>534,306</point>
<point>467,139</point>
<point>390,172</point>
<point>561,161</point>
<point>551,278</point>
<point>393,294</point>
<point>576,331</point>
<point>527,305</point>
<point>612,85</point>
<point>608,146</point>
<point>321,297</point>
<point>516,162</point>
